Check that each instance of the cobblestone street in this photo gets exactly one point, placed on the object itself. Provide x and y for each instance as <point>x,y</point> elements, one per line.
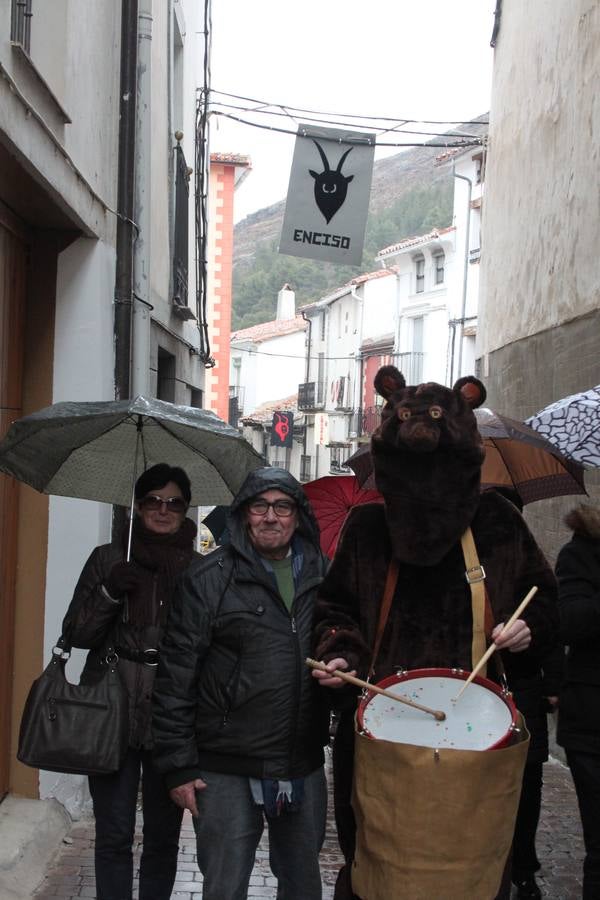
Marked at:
<point>560,849</point>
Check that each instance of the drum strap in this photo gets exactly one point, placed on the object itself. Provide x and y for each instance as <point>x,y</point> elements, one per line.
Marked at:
<point>384,609</point>
<point>480,603</point>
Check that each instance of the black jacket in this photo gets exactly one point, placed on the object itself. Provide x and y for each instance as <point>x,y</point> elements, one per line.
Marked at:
<point>94,621</point>
<point>578,573</point>
<point>233,693</point>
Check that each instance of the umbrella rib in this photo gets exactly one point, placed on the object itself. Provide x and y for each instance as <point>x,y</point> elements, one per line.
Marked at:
<point>510,475</point>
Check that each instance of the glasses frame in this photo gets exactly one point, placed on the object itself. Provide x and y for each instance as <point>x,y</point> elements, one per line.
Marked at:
<point>160,501</point>
<point>272,505</point>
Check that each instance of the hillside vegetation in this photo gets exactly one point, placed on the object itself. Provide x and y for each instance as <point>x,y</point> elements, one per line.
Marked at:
<point>409,195</point>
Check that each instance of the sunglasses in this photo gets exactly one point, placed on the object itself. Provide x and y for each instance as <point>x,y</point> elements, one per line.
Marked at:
<point>172,504</point>
<point>282,508</point>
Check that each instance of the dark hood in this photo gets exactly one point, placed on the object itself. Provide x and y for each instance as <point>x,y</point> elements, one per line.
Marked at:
<point>267,479</point>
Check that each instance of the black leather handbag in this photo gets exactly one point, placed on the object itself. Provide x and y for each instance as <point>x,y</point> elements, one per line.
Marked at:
<point>81,729</point>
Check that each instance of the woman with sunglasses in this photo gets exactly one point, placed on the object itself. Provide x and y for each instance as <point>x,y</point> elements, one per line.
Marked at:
<point>124,605</point>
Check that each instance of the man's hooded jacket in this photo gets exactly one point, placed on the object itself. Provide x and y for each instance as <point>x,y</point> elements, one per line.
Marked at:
<point>233,693</point>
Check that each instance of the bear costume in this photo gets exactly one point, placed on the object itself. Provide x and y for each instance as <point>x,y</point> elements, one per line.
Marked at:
<point>427,455</point>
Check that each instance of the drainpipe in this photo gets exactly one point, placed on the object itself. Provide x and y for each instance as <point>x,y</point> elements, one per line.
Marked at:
<point>360,363</point>
<point>461,321</point>
<point>125,201</point>
<point>143,206</point>
<point>309,322</point>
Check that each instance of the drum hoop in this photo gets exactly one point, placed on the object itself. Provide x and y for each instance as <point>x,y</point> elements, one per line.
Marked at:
<point>460,675</point>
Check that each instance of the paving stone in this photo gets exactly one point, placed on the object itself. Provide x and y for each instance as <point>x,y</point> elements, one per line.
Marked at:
<point>560,849</point>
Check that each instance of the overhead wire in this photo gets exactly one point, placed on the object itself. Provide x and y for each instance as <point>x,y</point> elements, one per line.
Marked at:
<point>217,107</point>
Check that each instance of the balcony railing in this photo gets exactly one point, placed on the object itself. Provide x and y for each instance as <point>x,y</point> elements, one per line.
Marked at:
<point>237,392</point>
<point>180,237</point>
<point>411,366</point>
<point>365,421</point>
<point>311,395</point>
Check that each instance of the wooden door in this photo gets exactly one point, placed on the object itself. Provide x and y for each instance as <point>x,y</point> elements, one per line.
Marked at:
<point>13,261</point>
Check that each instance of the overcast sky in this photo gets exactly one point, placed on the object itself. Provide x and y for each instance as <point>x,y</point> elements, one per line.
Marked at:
<point>410,59</point>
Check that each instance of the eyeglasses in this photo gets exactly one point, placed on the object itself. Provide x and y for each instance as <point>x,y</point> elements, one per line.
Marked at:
<point>282,508</point>
<point>153,503</point>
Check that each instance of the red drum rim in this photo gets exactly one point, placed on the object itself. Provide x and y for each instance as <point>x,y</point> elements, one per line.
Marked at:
<point>459,675</point>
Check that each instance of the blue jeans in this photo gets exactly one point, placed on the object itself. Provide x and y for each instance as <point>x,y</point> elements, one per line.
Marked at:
<point>115,798</point>
<point>229,829</point>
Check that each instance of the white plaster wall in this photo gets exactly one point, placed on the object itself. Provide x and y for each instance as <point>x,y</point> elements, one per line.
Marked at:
<point>278,375</point>
<point>247,376</point>
<point>541,228</point>
<point>87,73</point>
<point>379,307</point>
<point>83,370</point>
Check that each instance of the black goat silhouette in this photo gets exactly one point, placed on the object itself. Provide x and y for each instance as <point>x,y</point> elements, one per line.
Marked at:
<point>330,187</point>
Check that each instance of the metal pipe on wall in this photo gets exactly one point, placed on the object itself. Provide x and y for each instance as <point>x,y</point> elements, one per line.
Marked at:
<point>126,226</point>
<point>465,272</point>
<point>143,206</point>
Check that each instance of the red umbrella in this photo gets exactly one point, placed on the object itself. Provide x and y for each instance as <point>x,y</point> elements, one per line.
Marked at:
<point>516,457</point>
<point>332,498</point>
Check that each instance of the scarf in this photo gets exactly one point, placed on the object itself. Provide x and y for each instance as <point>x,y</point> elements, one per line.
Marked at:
<point>159,560</point>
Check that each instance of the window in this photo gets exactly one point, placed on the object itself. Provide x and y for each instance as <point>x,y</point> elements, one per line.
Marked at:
<point>416,360</point>
<point>20,23</point>
<point>305,468</point>
<point>165,387</point>
<point>420,274</point>
<point>438,266</point>
<point>320,378</point>
<point>323,320</point>
<point>196,398</point>
<point>180,238</point>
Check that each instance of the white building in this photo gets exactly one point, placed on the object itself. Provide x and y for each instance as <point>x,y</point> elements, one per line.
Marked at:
<point>97,118</point>
<point>267,365</point>
<point>419,312</point>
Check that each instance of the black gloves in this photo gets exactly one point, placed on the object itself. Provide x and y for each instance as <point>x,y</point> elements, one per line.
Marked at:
<point>122,578</point>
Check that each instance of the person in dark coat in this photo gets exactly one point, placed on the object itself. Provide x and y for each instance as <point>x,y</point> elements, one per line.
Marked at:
<point>536,697</point>
<point>427,457</point>
<point>238,725</point>
<point>123,606</point>
<point>578,731</point>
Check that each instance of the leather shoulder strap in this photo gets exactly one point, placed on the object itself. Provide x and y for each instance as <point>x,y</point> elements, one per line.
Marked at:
<point>384,609</point>
<point>475,575</point>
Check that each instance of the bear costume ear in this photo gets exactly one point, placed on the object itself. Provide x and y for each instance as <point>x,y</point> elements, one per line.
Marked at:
<point>472,390</point>
<point>387,380</point>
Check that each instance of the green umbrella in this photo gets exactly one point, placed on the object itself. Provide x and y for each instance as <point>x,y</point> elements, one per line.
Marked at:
<point>96,450</point>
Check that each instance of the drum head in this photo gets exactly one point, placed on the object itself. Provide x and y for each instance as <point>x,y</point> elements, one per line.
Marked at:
<point>480,720</point>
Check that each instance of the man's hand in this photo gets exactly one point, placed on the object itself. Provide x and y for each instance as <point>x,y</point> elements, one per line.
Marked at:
<point>325,679</point>
<point>185,795</point>
<point>516,639</point>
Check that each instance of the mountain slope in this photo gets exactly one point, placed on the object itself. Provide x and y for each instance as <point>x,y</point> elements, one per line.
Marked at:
<point>409,195</point>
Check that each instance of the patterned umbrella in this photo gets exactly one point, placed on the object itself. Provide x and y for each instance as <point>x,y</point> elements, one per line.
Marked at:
<point>516,457</point>
<point>572,425</point>
<point>332,497</point>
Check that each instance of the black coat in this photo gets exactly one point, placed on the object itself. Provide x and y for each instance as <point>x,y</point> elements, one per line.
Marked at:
<point>94,621</point>
<point>578,573</point>
<point>233,693</point>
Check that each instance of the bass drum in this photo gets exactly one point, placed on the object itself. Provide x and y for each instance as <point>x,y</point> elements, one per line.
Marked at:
<point>484,718</point>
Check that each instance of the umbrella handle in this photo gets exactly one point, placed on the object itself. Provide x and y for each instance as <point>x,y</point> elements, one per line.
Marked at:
<point>137,444</point>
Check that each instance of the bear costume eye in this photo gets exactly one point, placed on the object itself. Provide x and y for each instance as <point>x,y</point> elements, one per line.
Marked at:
<point>435,412</point>
<point>404,413</point>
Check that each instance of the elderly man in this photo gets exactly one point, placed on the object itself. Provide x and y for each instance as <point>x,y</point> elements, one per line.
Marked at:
<point>238,727</point>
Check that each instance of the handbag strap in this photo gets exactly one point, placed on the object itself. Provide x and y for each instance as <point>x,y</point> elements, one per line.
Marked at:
<point>384,609</point>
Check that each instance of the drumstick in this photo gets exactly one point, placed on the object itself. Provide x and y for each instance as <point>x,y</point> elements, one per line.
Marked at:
<point>351,679</point>
<point>493,647</point>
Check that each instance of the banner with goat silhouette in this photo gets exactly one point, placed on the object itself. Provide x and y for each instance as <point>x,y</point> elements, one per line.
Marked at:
<point>328,195</point>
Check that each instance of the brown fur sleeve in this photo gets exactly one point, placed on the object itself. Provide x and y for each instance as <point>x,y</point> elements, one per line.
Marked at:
<point>338,609</point>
